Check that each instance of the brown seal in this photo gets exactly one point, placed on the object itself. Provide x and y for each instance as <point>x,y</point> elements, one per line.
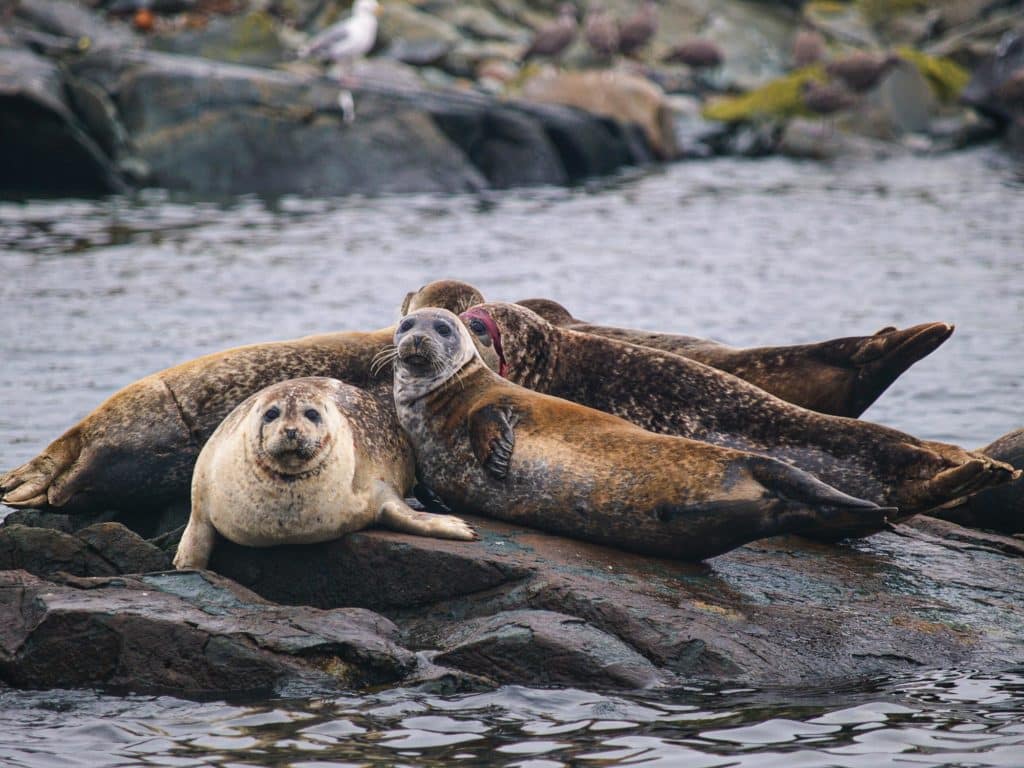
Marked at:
<point>304,461</point>
<point>841,377</point>
<point>486,445</point>
<point>670,394</point>
<point>137,449</point>
<point>1000,509</point>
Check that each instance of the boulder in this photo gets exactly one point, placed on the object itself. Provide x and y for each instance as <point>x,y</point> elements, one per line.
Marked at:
<point>625,98</point>
<point>187,632</point>
<point>214,128</point>
<point>777,612</point>
<point>46,149</point>
<point>246,38</point>
<point>103,549</point>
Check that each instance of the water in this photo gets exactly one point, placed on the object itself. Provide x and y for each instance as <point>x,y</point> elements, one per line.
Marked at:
<point>97,294</point>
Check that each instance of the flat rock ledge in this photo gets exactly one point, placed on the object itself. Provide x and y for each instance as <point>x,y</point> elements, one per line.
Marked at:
<point>518,606</point>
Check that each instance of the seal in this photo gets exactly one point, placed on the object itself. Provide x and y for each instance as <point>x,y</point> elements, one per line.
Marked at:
<point>486,445</point>
<point>1000,509</point>
<point>841,377</point>
<point>670,394</point>
<point>136,451</point>
<point>453,295</point>
<point>300,462</point>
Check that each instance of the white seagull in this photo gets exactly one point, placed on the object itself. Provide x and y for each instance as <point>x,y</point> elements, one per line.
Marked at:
<point>344,42</point>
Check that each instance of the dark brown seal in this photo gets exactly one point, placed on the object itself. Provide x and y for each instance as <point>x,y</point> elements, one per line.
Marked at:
<point>841,377</point>
<point>999,509</point>
<point>137,449</point>
<point>488,446</point>
<point>670,394</point>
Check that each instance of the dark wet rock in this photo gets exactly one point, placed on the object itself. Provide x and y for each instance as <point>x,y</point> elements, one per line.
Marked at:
<point>984,92</point>
<point>45,149</point>
<point>248,38</point>
<point>75,22</point>
<point>545,648</point>
<point>102,549</point>
<point>1000,508</point>
<point>188,632</point>
<point>782,611</point>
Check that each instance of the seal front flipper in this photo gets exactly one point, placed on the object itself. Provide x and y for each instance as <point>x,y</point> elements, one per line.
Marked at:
<point>396,515</point>
<point>493,437</point>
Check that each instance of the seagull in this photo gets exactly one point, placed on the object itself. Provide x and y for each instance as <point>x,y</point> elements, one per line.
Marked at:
<point>636,31</point>
<point>344,42</point>
<point>602,32</point>
<point>553,39</point>
<point>861,71</point>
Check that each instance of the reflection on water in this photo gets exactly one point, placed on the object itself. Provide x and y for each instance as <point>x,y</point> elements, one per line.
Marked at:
<point>949,718</point>
<point>97,294</point>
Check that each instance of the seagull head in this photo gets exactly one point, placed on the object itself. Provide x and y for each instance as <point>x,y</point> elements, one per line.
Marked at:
<point>368,7</point>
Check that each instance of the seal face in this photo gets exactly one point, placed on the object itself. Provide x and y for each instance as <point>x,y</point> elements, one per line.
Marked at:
<point>670,394</point>
<point>304,461</point>
<point>489,446</point>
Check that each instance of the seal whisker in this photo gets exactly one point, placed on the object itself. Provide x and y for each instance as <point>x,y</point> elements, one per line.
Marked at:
<point>383,359</point>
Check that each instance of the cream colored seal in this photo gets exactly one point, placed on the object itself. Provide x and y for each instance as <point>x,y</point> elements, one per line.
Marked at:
<point>304,461</point>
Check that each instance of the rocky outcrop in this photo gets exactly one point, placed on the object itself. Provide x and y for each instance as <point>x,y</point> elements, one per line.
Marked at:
<point>193,633</point>
<point>101,549</point>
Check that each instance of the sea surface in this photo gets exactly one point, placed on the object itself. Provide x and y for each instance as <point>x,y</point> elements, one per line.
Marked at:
<point>95,294</point>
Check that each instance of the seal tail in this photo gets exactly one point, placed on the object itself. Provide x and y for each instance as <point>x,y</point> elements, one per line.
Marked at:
<point>33,484</point>
<point>837,515</point>
<point>883,357</point>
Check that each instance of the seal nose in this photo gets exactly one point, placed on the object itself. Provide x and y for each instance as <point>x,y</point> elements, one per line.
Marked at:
<point>291,432</point>
<point>417,340</point>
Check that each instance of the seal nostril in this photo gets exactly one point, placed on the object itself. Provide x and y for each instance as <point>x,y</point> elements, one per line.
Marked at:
<point>291,432</point>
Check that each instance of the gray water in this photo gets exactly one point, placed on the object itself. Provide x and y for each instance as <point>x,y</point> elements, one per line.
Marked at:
<point>96,294</point>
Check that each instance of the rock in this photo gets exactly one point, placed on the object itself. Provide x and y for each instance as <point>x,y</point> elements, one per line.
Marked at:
<point>215,128</point>
<point>483,24</point>
<point>45,148</point>
<point>248,38</point>
<point>103,549</point>
<point>782,611</point>
<point>414,37</point>
<point>544,648</point>
<point>625,98</point>
<point>1000,508</point>
<point>983,90</point>
<point>73,20</point>
<point>755,40</point>
<point>820,140</point>
<point>902,103</point>
<point>466,58</point>
<point>187,632</point>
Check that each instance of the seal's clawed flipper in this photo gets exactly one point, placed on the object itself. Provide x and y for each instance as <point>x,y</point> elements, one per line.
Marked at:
<point>882,358</point>
<point>951,485</point>
<point>835,515</point>
<point>396,515</point>
<point>43,482</point>
<point>493,438</point>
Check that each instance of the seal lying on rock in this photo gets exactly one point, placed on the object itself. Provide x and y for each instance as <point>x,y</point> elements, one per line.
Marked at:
<point>841,377</point>
<point>138,448</point>
<point>484,444</point>
<point>670,394</point>
<point>304,461</point>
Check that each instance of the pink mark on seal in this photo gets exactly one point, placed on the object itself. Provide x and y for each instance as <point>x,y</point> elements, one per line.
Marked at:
<point>492,331</point>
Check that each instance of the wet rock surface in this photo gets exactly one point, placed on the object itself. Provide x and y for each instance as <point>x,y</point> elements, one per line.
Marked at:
<point>186,632</point>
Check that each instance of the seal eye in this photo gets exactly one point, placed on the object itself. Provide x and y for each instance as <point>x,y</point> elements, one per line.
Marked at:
<point>313,415</point>
<point>406,325</point>
<point>476,325</point>
<point>272,414</point>
<point>443,329</point>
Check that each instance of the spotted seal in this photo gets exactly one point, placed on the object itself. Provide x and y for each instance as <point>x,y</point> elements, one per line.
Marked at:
<point>300,462</point>
<point>486,445</point>
<point>841,377</point>
<point>670,394</point>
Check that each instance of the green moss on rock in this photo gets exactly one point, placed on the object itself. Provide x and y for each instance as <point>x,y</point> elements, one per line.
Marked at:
<point>779,98</point>
<point>946,77</point>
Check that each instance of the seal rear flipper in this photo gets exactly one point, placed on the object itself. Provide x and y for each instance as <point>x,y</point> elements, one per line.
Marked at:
<point>882,358</point>
<point>396,515</point>
<point>951,485</point>
<point>493,438</point>
<point>31,484</point>
<point>835,515</point>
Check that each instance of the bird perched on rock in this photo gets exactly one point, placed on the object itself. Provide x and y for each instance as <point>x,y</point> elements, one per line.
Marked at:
<point>808,47</point>
<point>552,39</point>
<point>826,98</point>
<point>698,53</point>
<point>637,31</point>
<point>861,71</point>
<point>344,43</point>
<point>602,32</point>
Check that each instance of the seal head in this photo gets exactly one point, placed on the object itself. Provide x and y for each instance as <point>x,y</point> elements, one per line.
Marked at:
<point>432,347</point>
<point>294,431</point>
